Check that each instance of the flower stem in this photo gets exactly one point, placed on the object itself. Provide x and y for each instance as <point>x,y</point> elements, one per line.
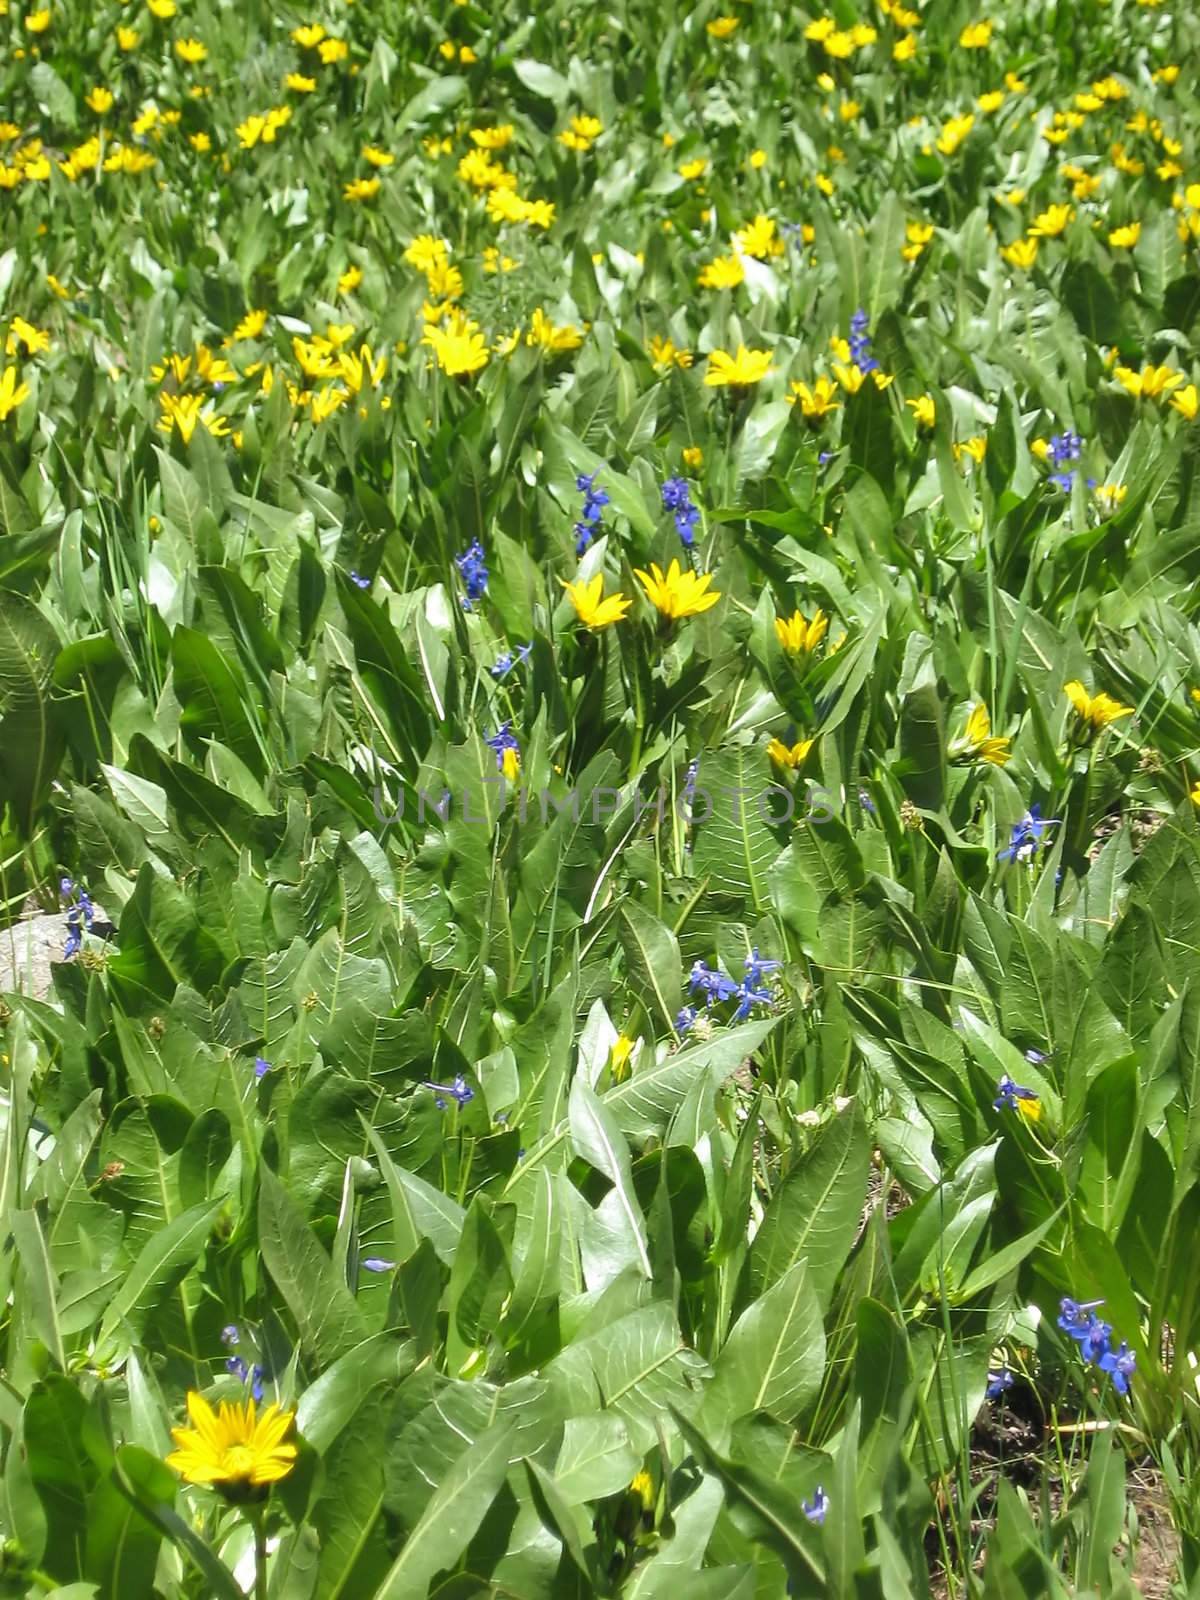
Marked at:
<point>259,1524</point>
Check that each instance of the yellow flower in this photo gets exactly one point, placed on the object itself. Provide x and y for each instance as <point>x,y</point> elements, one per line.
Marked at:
<point>850,377</point>
<point>696,168</point>
<point>233,1449</point>
<point>618,1065</point>
<point>725,272</point>
<point>593,608</point>
<point>975,448</point>
<point>693,455</point>
<point>737,372</point>
<point>1125,238</point>
<point>797,635</point>
<point>954,132</point>
<point>425,251</point>
<point>905,49</point>
<point>923,409</point>
<point>250,131</point>
<point>299,84</point>
<point>1095,711</point>
<point>361,189</point>
<point>349,280</point>
<point>551,337</point>
<point>758,159</point>
<point>333,50</point>
<point>790,756</point>
<point>1110,497</point>
<point>459,348</point>
<point>185,411</point>
<point>1186,402</point>
<point>721,27</point>
<point>991,101</point>
<point>760,238</point>
<point>99,100</point>
<point>127,39</point>
<point>38,21</point>
<point>12,394</point>
<point>976,35</point>
<point>816,402</point>
<point>1051,222</point>
<point>1194,794</point>
<point>377,157</point>
<point>493,138</point>
<point>309,36</point>
<point>978,744</point>
<point>24,333</point>
<point>1022,254</point>
<point>191,51</point>
<point>251,325</point>
<point>664,354</point>
<point>57,288</point>
<point>676,593</point>
<point>1151,383</point>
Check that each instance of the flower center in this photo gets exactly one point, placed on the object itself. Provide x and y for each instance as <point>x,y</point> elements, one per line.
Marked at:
<point>238,1461</point>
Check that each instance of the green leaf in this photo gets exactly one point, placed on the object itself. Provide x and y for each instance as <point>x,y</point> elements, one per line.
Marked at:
<point>162,1263</point>
<point>327,1316</point>
<point>30,738</point>
<point>448,1523</point>
<point>774,1358</point>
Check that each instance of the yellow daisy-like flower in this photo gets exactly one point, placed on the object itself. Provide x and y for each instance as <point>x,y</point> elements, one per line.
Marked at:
<point>978,743</point>
<point>191,51</point>
<point>548,335</point>
<point>1125,238</point>
<point>665,355</point>
<point>127,39</point>
<point>1186,401</point>
<point>760,238</point>
<point>459,348</point>
<point>791,756</point>
<point>12,393</point>
<point>1021,253</point>
<point>164,10</point>
<point>693,455</point>
<point>1194,795</point>
<point>350,280</point>
<point>1151,383</point>
<point>593,607</point>
<point>99,100</point>
<point>725,272</point>
<point>309,36</point>
<point>333,50</point>
<point>676,594</point>
<point>377,157</point>
<point>233,1449</point>
<point>1094,711</point>
<point>251,325</point>
<point>954,132</point>
<point>975,448</point>
<point>797,635</point>
<point>923,409</point>
<point>618,1065</point>
<point>38,21</point>
<point>493,138</point>
<point>696,168</point>
<point>361,189</point>
<point>721,27</point>
<point>426,251</point>
<point>299,84</point>
<point>815,402</point>
<point>1051,222</point>
<point>976,35</point>
<point>737,371</point>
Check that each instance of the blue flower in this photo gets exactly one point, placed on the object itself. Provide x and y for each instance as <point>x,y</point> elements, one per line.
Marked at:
<point>1073,1315</point>
<point>66,888</point>
<point>685,1020</point>
<point>359,582</point>
<point>459,1091</point>
<point>230,1334</point>
<point>998,1382</point>
<point>507,660</point>
<point>711,982</point>
<point>1119,1365</point>
<point>756,967</point>
<point>378,1264</point>
<point>815,1511</point>
<point>1063,480</point>
<point>1027,835</point>
<point>677,498</point>
<point>1008,1093</point>
<point>73,941</point>
<point>749,996</point>
<point>503,739</point>
<point>473,569</point>
<point>261,1066</point>
<point>860,343</point>
<point>256,1383</point>
<point>238,1368</point>
<point>865,801</point>
<point>594,502</point>
<point>1064,446</point>
<point>1036,1057</point>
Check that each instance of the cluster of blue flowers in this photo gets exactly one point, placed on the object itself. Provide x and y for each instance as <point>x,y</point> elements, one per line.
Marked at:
<point>460,1091</point>
<point>717,987</point>
<point>1078,1319</point>
<point>508,659</point>
<point>359,582</point>
<point>472,567</point>
<point>594,502</point>
<point>80,913</point>
<point>998,1382</point>
<point>1027,835</point>
<point>677,498</point>
<point>246,1372</point>
<point>1008,1093</point>
<point>860,343</point>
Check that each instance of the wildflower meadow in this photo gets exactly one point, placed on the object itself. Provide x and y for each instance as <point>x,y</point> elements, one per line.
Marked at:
<point>599,800</point>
